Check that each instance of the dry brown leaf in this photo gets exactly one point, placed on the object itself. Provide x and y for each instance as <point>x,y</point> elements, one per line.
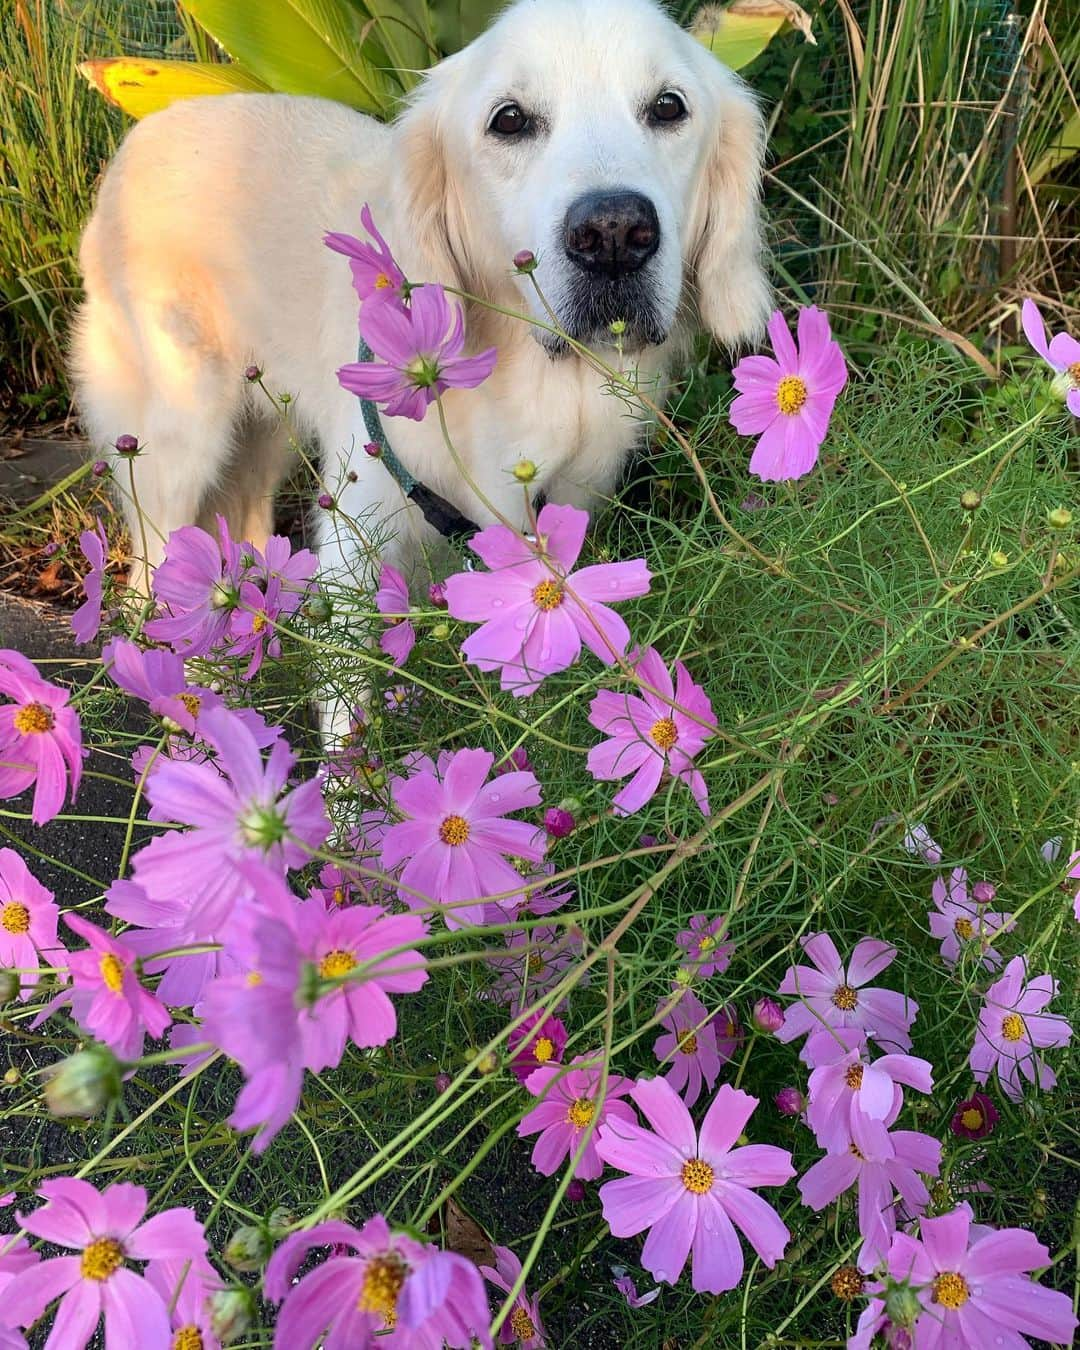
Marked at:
<point>462,1234</point>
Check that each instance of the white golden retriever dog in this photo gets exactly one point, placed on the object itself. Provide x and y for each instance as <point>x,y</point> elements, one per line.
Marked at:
<point>595,133</point>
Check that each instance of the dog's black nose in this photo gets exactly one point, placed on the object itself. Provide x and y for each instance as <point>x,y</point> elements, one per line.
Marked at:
<point>611,232</point>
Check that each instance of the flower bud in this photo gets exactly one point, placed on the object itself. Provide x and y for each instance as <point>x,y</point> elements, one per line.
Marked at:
<point>282,1218</point>
<point>9,985</point>
<point>99,468</point>
<point>789,1101</point>
<point>525,471</point>
<point>767,1015</point>
<point>285,398</point>
<point>372,450</point>
<point>252,374</point>
<point>970,500</point>
<point>999,559</point>
<point>1060,518</point>
<point>248,1249</point>
<point>437,594</point>
<point>487,1063</point>
<point>902,1303</point>
<point>525,261</point>
<point>575,1192</point>
<point>230,1314</point>
<point>558,823</point>
<point>326,501</point>
<point>442,1082</point>
<point>983,892</point>
<point>317,608</point>
<point>617,327</point>
<point>127,445</point>
<point>12,1077</point>
<point>441,632</point>
<point>83,1084</point>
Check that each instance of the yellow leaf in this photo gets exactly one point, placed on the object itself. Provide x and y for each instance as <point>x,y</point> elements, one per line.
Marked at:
<point>739,32</point>
<point>1065,145</point>
<point>141,86</point>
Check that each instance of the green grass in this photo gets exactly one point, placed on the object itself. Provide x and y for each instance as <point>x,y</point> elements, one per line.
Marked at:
<point>873,653</point>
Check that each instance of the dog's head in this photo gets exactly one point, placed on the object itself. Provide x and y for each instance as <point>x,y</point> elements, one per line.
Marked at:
<point>603,138</point>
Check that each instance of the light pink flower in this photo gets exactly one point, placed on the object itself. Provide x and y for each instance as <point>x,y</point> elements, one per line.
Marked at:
<point>1013,1028</point>
<point>186,1288</point>
<point>28,918</point>
<point>392,600</point>
<point>375,273</point>
<point>834,996</point>
<point>570,1102</point>
<point>523,1327</point>
<point>107,1233</point>
<point>16,1257</point>
<point>693,1191</point>
<point>657,729</point>
<point>536,959</point>
<point>455,839</point>
<point>420,354</point>
<point>961,921</point>
<point>1073,874</point>
<point>105,995</point>
<point>377,1289</point>
<point>86,620</point>
<point>539,1040</point>
<point>1061,353</point>
<point>789,400</point>
<point>702,941</point>
<point>536,611</point>
<point>198,583</point>
<point>626,1286</point>
<point>974,1286</point>
<point>689,1046</point>
<point>40,738</point>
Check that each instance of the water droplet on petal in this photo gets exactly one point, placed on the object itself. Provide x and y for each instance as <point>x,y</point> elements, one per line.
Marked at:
<point>496,796</point>
<point>496,604</point>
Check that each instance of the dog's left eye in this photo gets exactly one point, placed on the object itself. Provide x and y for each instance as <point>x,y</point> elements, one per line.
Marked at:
<point>509,120</point>
<point>667,108</point>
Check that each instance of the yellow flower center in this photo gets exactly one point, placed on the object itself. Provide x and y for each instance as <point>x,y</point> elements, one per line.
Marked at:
<point>454,830</point>
<point>112,972</point>
<point>972,1118</point>
<point>535,963</point>
<point>253,979</point>
<point>187,1338</point>
<point>697,1176</point>
<point>964,929</point>
<point>101,1259</point>
<point>853,1077</point>
<point>521,1324</point>
<point>192,702</point>
<point>687,1043</point>
<point>847,1283</point>
<point>707,943</point>
<point>548,595</point>
<point>1012,1027</point>
<point>339,895</point>
<point>845,998</point>
<point>580,1112</point>
<point>791,394</point>
<point>383,282</point>
<point>336,964</point>
<point>34,718</point>
<point>15,917</point>
<point>856,1152</point>
<point>664,732</point>
<point>382,1283</point>
<point>950,1290</point>
<point>543,1049</point>
<point>258,621</point>
<point>1073,373</point>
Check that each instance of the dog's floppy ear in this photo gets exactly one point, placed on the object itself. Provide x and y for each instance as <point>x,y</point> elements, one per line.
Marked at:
<point>724,249</point>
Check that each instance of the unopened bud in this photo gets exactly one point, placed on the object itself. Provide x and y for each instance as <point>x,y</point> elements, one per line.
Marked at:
<point>441,632</point>
<point>12,1077</point>
<point>902,1303</point>
<point>437,594</point>
<point>983,892</point>
<point>248,1249</point>
<point>230,1314</point>
<point>83,1084</point>
<point>525,471</point>
<point>999,559</point>
<point>1060,518</point>
<point>487,1063</point>
<point>617,327</point>
<point>317,608</point>
<point>970,500</point>
<point>99,468</point>
<point>326,501</point>
<point>557,822</point>
<point>576,1192</point>
<point>525,261</point>
<point>282,1218</point>
<point>372,450</point>
<point>252,374</point>
<point>789,1101</point>
<point>442,1082</point>
<point>9,985</point>
<point>127,445</point>
<point>767,1015</point>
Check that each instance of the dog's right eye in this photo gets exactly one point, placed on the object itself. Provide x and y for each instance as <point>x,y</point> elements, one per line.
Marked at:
<point>509,120</point>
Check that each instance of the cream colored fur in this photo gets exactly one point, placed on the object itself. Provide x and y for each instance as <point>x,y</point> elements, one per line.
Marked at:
<point>205,255</point>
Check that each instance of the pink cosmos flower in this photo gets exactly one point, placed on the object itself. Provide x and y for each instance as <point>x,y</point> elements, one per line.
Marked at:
<point>1073,874</point>
<point>835,997</point>
<point>961,921</point>
<point>186,1288</point>
<point>708,954</point>
<point>86,620</point>
<point>105,995</point>
<point>693,1191</point>
<point>535,610</point>
<point>535,898</point>
<point>975,1117</point>
<point>570,1102</point>
<point>729,1034</point>
<point>106,1232</point>
<point>895,1166</point>
<point>392,600</point>
<point>523,1326</point>
<point>850,1095</point>
<point>239,809</point>
<point>375,274</point>
<point>1061,353</point>
<point>918,842</point>
<point>40,738</point>
<point>198,583</point>
<point>539,1040</point>
<point>789,400</point>
<point>1013,1028</point>
<point>455,836</point>
<point>689,1045</point>
<point>536,959</point>
<point>420,354</point>
<point>28,917</point>
<point>974,1288</point>
<point>16,1257</point>
<point>626,1286</point>
<point>377,1289</point>
<point>656,730</point>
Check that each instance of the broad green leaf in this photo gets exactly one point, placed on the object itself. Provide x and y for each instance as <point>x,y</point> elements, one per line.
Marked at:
<point>738,33</point>
<point>457,22</point>
<point>1064,147</point>
<point>303,47</point>
<point>141,86</point>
